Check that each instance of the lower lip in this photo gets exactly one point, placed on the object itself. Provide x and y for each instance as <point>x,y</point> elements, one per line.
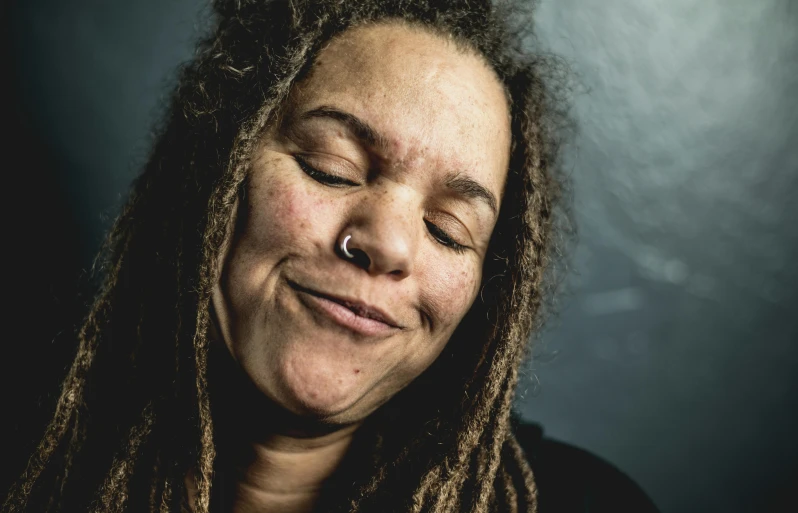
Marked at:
<point>345,317</point>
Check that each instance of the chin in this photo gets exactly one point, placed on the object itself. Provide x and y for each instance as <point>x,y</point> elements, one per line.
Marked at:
<point>319,390</point>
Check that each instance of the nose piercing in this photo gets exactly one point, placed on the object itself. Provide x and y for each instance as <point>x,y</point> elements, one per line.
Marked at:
<point>343,247</point>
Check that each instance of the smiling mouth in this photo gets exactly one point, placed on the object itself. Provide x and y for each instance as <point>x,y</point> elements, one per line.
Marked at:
<point>352,314</point>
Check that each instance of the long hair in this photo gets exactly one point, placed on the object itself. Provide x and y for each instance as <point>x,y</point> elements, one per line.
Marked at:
<point>134,416</point>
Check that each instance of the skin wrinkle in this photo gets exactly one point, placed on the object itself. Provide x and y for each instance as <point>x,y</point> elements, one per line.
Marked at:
<point>454,184</point>
<point>457,182</point>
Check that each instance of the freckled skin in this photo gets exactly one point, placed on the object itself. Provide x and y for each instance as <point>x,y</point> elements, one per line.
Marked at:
<point>439,110</point>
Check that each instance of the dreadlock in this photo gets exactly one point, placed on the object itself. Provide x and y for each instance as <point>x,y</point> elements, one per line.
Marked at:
<point>134,415</point>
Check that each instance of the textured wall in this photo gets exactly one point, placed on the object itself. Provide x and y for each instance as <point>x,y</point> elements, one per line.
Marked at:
<point>675,354</point>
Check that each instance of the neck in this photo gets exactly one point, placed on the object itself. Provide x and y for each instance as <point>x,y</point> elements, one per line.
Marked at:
<point>279,472</point>
<point>268,459</point>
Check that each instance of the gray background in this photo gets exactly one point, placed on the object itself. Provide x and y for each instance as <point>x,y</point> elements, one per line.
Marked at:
<point>674,355</point>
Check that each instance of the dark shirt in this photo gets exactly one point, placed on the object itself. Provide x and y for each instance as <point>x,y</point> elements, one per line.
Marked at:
<point>571,480</point>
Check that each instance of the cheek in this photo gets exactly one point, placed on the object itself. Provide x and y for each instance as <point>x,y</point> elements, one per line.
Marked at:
<point>276,215</point>
<point>283,215</point>
<point>448,293</point>
<point>451,290</point>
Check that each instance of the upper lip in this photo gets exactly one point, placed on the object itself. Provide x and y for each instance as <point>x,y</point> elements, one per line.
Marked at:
<point>359,307</point>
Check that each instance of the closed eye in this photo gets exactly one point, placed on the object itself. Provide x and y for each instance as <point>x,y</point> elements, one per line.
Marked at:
<point>321,176</point>
<point>333,180</point>
<point>444,238</point>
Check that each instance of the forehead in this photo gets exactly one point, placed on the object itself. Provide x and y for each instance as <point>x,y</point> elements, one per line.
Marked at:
<point>430,101</point>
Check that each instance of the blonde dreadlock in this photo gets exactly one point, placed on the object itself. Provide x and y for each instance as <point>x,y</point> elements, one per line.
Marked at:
<point>134,416</point>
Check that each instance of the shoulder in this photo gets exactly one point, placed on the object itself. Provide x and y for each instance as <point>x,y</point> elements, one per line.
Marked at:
<point>572,480</point>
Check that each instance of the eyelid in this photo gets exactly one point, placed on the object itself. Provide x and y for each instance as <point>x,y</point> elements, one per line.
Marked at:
<point>335,179</point>
<point>443,220</point>
<point>311,141</point>
<point>451,243</point>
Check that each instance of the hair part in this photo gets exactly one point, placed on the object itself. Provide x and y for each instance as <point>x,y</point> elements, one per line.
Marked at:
<point>134,417</point>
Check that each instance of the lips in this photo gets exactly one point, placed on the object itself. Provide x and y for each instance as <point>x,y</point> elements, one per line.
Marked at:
<point>361,316</point>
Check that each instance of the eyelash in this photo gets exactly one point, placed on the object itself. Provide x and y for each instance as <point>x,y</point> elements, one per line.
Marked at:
<point>443,238</point>
<point>332,180</point>
<point>321,176</point>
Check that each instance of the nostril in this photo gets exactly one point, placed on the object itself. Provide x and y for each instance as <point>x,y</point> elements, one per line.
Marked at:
<point>355,255</point>
<point>360,258</point>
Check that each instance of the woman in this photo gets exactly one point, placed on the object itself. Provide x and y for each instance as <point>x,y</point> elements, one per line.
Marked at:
<point>322,286</point>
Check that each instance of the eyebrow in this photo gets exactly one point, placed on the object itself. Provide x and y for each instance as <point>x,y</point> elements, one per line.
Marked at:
<point>357,126</point>
<point>472,189</point>
<point>456,182</point>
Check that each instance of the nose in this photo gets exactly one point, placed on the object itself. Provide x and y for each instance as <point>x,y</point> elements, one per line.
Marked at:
<point>381,234</point>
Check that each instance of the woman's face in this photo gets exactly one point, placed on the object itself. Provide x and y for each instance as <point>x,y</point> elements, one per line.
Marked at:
<point>401,141</point>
